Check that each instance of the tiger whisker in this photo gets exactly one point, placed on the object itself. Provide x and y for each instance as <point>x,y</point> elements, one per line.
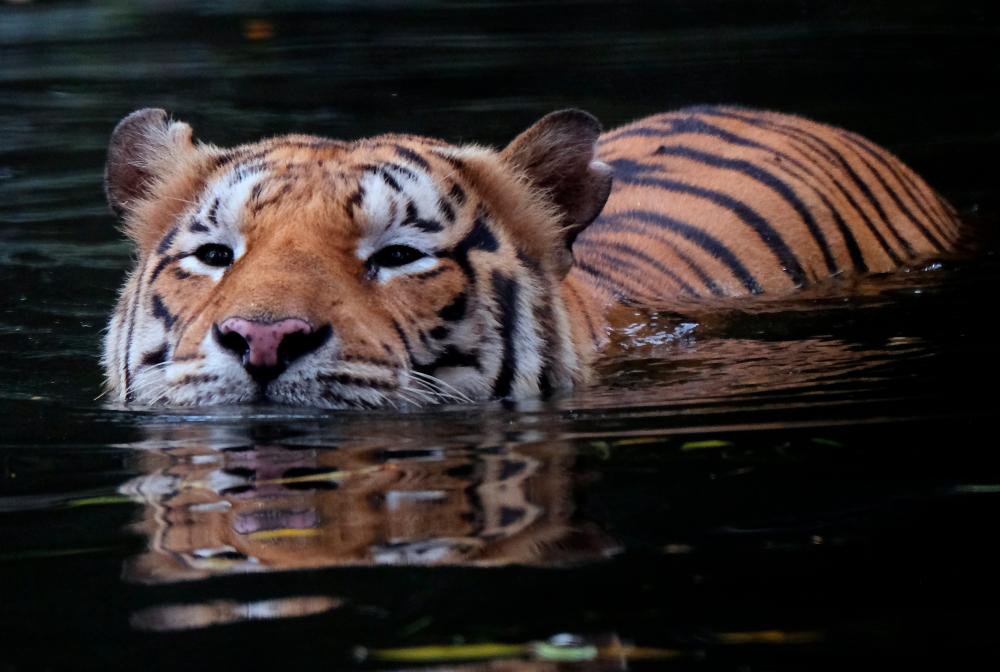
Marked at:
<point>382,396</point>
<point>454,393</point>
<point>437,395</point>
<point>435,392</point>
<point>421,395</point>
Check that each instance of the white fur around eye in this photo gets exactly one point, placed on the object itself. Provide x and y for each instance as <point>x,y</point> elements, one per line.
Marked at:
<point>231,197</point>
<point>383,211</point>
<point>195,266</point>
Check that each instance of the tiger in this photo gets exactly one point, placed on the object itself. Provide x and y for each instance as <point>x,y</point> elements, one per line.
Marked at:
<point>400,270</point>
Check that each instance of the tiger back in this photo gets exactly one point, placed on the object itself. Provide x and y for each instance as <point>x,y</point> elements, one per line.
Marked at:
<point>401,270</point>
<point>717,201</point>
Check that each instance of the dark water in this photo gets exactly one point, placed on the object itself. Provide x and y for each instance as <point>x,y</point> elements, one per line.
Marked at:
<point>808,483</point>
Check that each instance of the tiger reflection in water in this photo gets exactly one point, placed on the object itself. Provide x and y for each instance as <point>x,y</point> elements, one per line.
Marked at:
<point>228,505</point>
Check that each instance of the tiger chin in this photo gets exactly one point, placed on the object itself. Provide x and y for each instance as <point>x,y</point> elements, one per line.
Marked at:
<point>402,271</point>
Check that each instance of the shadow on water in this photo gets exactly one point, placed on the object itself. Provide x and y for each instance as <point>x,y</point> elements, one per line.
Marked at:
<point>777,484</point>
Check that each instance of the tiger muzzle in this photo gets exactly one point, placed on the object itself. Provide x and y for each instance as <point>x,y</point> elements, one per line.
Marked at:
<point>266,349</point>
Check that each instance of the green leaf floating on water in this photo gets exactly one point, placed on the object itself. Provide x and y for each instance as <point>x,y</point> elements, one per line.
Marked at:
<point>98,501</point>
<point>541,651</point>
<point>977,489</point>
<point>424,654</point>
<point>707,443</point>
<point>826,442</point>
<point>564,654</point>
<point>56,553</point>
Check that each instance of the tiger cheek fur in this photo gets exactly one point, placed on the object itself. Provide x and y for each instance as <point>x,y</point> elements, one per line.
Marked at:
<point>403,270</point>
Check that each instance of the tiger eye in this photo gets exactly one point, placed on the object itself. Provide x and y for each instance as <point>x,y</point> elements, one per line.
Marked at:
<point>214,254</point>
<point>394,256</point>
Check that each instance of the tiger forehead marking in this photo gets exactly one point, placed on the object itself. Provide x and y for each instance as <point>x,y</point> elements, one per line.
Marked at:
<point>404,270</point>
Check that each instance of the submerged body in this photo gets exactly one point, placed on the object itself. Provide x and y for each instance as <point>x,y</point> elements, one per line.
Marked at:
<point>401,269</point>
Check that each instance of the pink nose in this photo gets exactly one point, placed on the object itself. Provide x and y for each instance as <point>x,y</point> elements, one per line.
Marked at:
<point>261,340</point>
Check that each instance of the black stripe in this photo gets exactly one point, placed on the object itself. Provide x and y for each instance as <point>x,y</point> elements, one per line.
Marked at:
<point>702,239</point>
<point>214,210</point>
<point>646,129</point>
<point>134,314</point>
<point>455,162</point>
<point>620,275</point>
<point>457,194</point>
<point>860,184</point>
<point>697,126</point>
<point>167,240</point>
<point>155,357</point>
<point>446,210</point>
<point>413,219</point>
<point>455,310</point>
<point>347,380</point>
<point>604,277</point>
<point>331,396</point>
<point>505,291</point>
<point>160,312</point>
<point>710,284</point>
<point>355,200</point>
<point>160,265</point>
<point>545,326</point>
<point>197,227</point>
<point>365,359</point>
<point>389,180</point>
<point>645,258</point>
<point>451,357</point>
<point>631,172</point>
<point>286,188</point>
<point>905,183</point>
<point>434,272</point>
<point>245,170</point>
<point>758,174</point>
<point>402,170</point>
<point>479,238</point>
<point>239,157</point>
<point>788,132</point>
<point>410,155</point>
<point>404,339</point>
<point>181,274</point>
<point>836,157</point>
<point>901,206</point>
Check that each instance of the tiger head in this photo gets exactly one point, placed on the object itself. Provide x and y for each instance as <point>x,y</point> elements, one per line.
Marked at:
<point>386,271</point>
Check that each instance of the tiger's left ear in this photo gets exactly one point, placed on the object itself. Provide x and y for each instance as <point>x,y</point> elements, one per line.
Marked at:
<point>557,156</point>
<point>142,146</point>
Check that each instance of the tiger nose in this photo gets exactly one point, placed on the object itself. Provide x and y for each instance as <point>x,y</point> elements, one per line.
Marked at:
<point>267,348</point>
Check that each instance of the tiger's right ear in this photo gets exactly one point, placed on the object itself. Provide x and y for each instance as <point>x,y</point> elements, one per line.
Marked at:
<point>557,155</point>
<point>142,144</point>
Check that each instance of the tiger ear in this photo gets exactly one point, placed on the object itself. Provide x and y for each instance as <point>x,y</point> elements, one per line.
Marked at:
<point>557,156</point>
<point>141,144</point>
